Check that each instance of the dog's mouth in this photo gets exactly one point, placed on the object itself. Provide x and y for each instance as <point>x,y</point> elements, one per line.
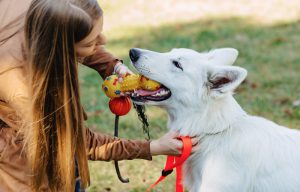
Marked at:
<point>150,90</point>
<point>143,95</point>
<point>161,94</point>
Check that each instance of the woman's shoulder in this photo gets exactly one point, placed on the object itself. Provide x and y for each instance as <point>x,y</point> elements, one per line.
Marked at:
<point>12,17</point>
<point>12,9</point>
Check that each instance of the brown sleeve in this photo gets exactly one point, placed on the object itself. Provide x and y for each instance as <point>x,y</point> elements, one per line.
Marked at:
<point>102,61</point>
<point>105,148</point>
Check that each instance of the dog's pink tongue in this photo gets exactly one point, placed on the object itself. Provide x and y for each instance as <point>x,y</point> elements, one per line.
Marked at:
<point>145,92</point>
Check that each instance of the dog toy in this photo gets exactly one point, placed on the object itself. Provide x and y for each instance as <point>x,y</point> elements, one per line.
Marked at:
<point>130,83</point>
<point>149,84</point>
<point>114,89</point>
<point>120,106</point>
<point>119,103</point>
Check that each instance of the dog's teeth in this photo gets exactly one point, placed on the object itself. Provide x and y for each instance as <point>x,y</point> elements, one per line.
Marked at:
<point>161,92</point>
<point>158,94</point>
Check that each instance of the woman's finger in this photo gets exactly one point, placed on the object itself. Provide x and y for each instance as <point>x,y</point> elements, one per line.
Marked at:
<point>178,144</point>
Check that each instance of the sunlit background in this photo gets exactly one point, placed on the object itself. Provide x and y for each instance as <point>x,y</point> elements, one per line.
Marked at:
<point>266,33</point>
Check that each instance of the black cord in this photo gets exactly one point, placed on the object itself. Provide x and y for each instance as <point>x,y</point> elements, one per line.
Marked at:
<point>116,162</point>
<point>143,118</point>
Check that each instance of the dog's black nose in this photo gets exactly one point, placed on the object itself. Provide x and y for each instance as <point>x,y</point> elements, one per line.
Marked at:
<point>134,54</point>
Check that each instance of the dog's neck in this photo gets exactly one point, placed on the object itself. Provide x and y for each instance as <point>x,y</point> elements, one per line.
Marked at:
<point>217,117</point>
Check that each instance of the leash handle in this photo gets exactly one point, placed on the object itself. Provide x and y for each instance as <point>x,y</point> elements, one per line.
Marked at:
<point>174,161</point>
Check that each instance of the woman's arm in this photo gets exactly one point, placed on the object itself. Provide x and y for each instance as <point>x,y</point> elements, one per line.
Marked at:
<point>102,61</point>
<point>105,148</point>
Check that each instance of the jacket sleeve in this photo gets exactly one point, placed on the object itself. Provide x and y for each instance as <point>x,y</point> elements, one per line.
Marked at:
<point>102,61</point>
<point>105,148</point>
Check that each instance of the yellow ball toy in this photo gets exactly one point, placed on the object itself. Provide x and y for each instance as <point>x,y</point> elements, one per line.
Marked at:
<point>149,84</point>
<point>112,87</point>
<point>130,83</point>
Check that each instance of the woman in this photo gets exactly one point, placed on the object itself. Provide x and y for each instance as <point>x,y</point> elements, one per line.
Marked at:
<point>39,96</point>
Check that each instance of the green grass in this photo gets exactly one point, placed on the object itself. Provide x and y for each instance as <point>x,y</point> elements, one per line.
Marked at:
<point>269,53</point>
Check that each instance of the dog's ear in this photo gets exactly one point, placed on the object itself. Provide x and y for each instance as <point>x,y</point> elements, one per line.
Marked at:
<point>223,56</point>
<point>224,79</point>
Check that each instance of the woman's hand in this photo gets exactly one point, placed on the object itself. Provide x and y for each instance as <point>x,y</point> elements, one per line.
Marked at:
<point>170,145</point>
<point>121,70</point>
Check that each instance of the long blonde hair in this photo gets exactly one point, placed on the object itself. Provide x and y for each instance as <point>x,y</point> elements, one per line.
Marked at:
<point>57,135</point>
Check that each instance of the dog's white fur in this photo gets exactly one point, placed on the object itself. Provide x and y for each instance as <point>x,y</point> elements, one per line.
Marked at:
<point>239,152</point>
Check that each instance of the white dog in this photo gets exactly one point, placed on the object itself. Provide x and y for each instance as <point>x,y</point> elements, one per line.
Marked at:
<point>239,152</point>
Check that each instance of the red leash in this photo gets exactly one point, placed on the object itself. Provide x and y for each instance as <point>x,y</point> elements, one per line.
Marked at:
<point>176,162</point>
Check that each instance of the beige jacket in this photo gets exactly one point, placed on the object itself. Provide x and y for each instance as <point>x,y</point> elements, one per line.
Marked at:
<point>14,96</point>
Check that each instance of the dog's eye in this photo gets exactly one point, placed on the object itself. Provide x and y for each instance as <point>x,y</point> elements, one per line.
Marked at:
<point>177,64</point>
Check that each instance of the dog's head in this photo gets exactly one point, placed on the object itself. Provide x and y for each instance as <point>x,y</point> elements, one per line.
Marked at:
<point>188,77</point>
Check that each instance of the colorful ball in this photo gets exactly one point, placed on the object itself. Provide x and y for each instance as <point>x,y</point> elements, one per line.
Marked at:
<point>112,87</point>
